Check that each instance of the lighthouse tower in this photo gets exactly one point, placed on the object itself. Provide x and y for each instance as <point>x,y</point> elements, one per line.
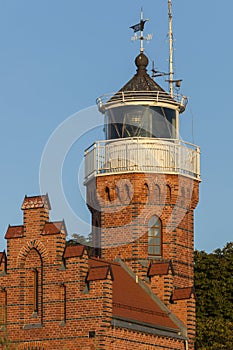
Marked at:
<point>142,185</point>
<point>142,180</point>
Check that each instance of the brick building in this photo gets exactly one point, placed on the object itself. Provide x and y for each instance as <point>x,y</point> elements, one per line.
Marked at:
<point>136,290</point>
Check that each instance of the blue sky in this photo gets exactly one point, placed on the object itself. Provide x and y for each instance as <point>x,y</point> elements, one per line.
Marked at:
<point>57,57</point>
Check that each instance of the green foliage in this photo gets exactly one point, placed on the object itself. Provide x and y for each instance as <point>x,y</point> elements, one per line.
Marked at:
<point>80,239</point>
<point>214,289</point>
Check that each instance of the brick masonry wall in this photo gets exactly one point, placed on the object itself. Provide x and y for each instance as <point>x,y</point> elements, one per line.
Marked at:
<point>67,310</point>
<point>58,308</point>
<point>124,220</point>
<point>124,204</point>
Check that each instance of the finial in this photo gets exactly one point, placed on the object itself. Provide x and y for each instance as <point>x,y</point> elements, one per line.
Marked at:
<point>139,27</point>
<point>141,62</point>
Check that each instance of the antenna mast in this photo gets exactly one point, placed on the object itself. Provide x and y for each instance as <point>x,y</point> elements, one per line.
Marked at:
<point>141,31</point>
<point>171,73</point>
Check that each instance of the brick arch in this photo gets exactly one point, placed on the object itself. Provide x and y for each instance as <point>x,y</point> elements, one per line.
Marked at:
<point>25,250</point>
<point>31,346</point>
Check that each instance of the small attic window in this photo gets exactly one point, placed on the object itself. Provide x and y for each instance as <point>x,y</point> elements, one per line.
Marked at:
<point>91,334</point>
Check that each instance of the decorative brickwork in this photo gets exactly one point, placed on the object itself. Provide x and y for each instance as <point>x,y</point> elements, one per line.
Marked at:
<point>124,204</point>
<point>54,296</point>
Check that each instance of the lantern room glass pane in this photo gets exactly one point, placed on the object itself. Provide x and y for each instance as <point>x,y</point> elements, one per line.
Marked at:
<point>140,121</point>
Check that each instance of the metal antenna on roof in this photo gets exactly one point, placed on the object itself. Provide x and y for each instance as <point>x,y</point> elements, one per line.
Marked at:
<point>171,80</point>
<point>171,73</point>
<point>139,27</point>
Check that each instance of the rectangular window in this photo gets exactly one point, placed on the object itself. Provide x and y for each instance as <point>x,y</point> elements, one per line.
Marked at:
<point>154,237</point>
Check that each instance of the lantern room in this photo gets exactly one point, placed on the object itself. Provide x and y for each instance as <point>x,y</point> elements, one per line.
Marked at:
<point>142,131</point>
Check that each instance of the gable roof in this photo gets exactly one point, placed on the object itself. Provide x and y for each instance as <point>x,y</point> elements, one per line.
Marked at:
<point>183,293</point>
<point>98,273</point>
<point>14,232</point>
<point>130,300</point>
<point>160,268</point>
<point>53,228</point>
<point>73,251</point>
<point>2,257</point>
<point>35,202</point>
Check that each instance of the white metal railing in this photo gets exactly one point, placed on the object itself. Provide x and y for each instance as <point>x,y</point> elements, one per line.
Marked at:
<point>150,97</point>
<point>168,156</point>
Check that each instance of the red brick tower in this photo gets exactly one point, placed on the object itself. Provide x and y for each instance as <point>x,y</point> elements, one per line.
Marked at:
<point>142,188</point>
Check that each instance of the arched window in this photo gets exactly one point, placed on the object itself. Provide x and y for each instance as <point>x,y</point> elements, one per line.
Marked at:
<point>182,196</point>
<point>168,193</point>
<point>154,237</point>
<point>157,194</point>
<point>107,191</point>
<point>127,189</point>
<point>146,190</point>
<point>32,291</point>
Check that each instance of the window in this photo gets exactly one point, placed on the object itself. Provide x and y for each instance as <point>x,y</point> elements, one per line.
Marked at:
<point>107,191</point>
<point>157,194</point>
<point>97,239</point>
<point>154,236</point>
<point>168,193</point>
<point>63,304</point>
<point>35,291</point>
<point>3,307</point>
<point>91,334</point>
<point>146,190</point>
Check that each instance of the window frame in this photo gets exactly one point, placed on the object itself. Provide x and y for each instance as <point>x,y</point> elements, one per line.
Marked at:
<point>154,237</point>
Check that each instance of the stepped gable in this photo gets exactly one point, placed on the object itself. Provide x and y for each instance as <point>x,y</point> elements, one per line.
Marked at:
<point>130,301</point>
<point>50,228</point>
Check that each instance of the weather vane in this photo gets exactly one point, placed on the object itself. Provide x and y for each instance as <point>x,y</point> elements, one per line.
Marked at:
<point>139,27</point>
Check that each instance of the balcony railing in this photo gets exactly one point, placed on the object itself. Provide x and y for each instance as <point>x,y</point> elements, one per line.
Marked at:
<point>148,97</point>
<point>167,156</point>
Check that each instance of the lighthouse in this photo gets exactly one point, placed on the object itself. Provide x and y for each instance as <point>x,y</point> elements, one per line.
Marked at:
<point>142,184</point>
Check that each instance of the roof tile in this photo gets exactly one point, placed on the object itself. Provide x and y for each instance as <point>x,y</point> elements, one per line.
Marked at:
<point>2,257</point>
<point>159,268</point>
<point>34,202</point>
<point>74,251</point>
<point>130,301</point>
<point>14,232</point>
<point>183,293</point>
<point>98,273</point>
<point>52,228</point>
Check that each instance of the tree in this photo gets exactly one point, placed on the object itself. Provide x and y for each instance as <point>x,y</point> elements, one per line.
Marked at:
<point>214,289</point>
<point>80,239</point>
